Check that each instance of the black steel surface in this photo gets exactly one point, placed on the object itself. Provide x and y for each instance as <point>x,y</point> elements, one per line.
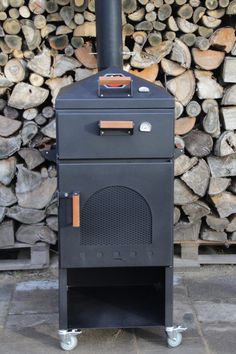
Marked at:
<point>81,130</point>
<point>84,95</point>
<point>151,180</point>
<point>109,34</point>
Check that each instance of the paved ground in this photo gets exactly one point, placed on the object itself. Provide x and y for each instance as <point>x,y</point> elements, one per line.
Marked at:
<point>205,301</point>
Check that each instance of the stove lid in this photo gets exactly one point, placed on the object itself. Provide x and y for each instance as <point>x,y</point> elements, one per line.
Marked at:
<point>93,93</point>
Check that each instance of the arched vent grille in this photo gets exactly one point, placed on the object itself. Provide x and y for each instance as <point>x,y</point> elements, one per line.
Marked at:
<point>115,216</point>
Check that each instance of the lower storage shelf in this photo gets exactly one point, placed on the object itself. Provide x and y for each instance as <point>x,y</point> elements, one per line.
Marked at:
<point>116,306</point>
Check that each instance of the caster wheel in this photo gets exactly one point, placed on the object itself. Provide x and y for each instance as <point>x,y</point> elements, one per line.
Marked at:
<point>174,343</point>
<point>70,344</point>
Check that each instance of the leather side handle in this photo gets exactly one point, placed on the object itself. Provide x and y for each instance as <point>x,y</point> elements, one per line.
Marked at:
<point>76,210</point>
<point>114,80</point>
<point>116,124</point>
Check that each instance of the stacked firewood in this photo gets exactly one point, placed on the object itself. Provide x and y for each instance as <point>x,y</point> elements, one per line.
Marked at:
<point>188,47</point>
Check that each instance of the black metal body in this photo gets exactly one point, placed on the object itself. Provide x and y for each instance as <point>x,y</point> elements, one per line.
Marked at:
<point>109,34</point>
<point>115,149</point>
<point>116,268</point>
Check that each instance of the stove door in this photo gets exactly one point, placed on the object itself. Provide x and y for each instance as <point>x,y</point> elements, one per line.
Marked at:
<point>115,214</point>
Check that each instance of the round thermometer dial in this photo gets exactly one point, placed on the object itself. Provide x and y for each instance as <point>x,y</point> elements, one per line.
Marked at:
<point>145,127</point>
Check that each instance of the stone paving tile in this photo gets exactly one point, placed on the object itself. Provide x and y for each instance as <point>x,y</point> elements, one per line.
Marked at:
<point>34,301</point>
<point>221,338</point>
<point>189,346</point>
<point>213,287</point>
<point>208,311</point>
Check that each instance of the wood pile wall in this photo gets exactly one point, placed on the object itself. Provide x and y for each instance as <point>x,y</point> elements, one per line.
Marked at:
<point>186,46</point>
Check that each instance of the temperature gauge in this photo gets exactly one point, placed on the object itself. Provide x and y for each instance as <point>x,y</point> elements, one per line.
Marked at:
<point>145,127</point>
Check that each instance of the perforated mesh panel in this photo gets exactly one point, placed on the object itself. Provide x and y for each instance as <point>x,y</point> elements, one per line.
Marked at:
<point>116,215</point>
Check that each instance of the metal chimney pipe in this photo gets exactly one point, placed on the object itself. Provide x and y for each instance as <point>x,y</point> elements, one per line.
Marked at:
<point>109,34</point>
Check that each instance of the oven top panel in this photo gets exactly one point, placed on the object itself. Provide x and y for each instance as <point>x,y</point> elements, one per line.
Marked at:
<point>90,93</point>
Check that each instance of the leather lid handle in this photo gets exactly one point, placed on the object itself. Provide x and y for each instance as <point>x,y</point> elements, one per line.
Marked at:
<point>114,80</point>
<point>76,210</point>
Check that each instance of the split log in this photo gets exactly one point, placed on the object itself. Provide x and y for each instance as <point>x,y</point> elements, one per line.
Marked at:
<point>185,11</point>
<point>198,143</point>
<point>2,213</point>
<point>197,210</point>
<point>24,215</point>
<point>36,80</point>
<point>181,54</point>
<point>7,170</point>
<point>183,194</point>
<point>183,87</point>
<point>160,51</point>
<point>7,234</point>
<point>85,56</point>
<point>209,104</point>
<point>226,144</point>
<point>11,26</point>
<point>81,74</point>
<point>7,196</point>
<point>27,96</point>
<point>149,73</point>
<point>62,64</point>
<point>229,117</point>
<point>52,223</point>
<point>8,146</point>
<point>216,223</point>
<point>218,13</point>
<point>207,87</point>
<point>28,132</point>
<point>176,215</point>
<point>32,157</point>
<point>185,26</point>
<point>232,224</point>
<point>14,70</point>
<point>208,59</point>
<point>40,119</point>
<point>183,163</point>
<point>223,39</point>
<point>48,112</point>
<point>198,178</point>
<point>50,129</point>
<point>8,126</point>
<point>189,39</point>
<point>202,43</point>
<point>41,63</point>
<point>179,142</point>
<point>172,68</point>
<point>211,235</point>
<point>184,125</point>
<point>231,9</point>
<point>10,112</point>
<point>187,231</point>
<point>52,209</point>
<point>198,13</point>
<point>193,109</point>
<point>211,122</point>
<point>211,22</point>
<point>32,191</point>
<point>179,108</point>
<point>229,69</point>
<point>32,36</point>
<point>225,203</point>
<point>222,166</point>
<point>229,97</point>
<point>30,113</point>
<point>56,84</point>
<point>37,6</point>
<point>87,29</point>
<point>34,233</point>
<point>218,185</point>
